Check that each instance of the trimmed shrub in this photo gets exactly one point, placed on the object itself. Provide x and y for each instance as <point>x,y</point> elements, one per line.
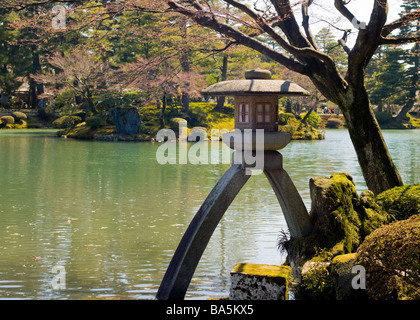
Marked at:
<point>19,116</point>
<point>94,122</point>
<point>7,120</point>
<point>383,117</point>
<point>66,122</point>
<point>334,123</point>
<point>174,123</point>
<point>284,118</point>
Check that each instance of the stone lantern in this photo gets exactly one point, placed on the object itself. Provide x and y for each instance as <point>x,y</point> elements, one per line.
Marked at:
<point>256,112</point>
<point>256,105</point>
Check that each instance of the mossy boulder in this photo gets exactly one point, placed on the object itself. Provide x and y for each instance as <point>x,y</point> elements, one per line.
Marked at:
<point>391,257</point>
<point>127,120</point>
<point>341,221</point>
<point>342,276</point>
<point>345,223</point>
<point>401,202</point>
<point>315,282</point>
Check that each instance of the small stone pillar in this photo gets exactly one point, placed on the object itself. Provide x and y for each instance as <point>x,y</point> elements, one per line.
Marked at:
<point>259,282</point>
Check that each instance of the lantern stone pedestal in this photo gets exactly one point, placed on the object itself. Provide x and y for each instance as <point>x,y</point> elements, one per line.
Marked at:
<point>251,114</point>
<point>259,282</point>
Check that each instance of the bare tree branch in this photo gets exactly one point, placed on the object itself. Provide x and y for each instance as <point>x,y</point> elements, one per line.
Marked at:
<point>412,16</point>
<point>343,41</point>
<point>400,40</point>
<point>305,23</point>
<point>202,18</point>
<point>288,24</point>
<point>341,7</point>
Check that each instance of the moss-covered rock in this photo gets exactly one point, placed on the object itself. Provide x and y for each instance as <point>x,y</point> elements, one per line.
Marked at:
<point>315,283</point>
<point>401,202</point>
<point>259,282</point>
<point>341,221</point>
<point>342,276</point>
<point>391,257</point>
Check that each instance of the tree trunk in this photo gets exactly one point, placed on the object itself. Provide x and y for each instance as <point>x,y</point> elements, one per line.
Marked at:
<point>185,64</point>
<point>375,161</point>
<point>36,66</point>
<point>221,100</point>
<point>162,111</point>
<point>305,118</point>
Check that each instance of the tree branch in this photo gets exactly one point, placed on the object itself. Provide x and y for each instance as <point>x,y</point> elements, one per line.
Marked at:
<point>412,16</point>
<point>288,24</point>
<point>400,40</point>
<point>341,7</point>
<point>368,40</point>
<point>305,23</point>
<point>343,41</point>
<point>202,18</point>
<point>298,52</point>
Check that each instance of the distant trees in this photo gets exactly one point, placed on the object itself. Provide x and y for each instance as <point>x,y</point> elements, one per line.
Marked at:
<point>272,29</point>
<point>393,73</point>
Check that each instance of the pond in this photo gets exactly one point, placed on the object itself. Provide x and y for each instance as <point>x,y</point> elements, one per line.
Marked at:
<point>110,216</point>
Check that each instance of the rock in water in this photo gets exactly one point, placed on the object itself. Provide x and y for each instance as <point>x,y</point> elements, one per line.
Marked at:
<point>127,120</point>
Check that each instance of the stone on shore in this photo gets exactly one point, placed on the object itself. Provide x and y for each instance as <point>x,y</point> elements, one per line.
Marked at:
<point>259,282</point>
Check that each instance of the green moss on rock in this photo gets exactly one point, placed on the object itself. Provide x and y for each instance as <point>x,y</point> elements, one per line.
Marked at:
<point>401,202</point>
<point>316,283</point>
<point>391,257</point>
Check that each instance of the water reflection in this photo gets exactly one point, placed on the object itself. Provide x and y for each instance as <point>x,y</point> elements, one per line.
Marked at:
<point>113,217</point>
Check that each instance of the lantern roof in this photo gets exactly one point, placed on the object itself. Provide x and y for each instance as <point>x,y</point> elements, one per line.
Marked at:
<point>257,82</point>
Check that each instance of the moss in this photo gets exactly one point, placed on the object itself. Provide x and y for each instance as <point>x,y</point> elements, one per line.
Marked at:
<point>400,202</point>
<point>281,275</point>
<point>344,258</point>
<point>340,217</point>
<point>316,282</point>
<point>391,257</point>
<point>281,272</point>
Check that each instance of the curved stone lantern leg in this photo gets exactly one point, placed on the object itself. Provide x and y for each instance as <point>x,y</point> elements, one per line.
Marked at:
<point>185,260</point>
<point>291,203</point>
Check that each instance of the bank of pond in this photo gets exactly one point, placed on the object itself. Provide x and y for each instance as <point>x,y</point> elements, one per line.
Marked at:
<point>142,124</point>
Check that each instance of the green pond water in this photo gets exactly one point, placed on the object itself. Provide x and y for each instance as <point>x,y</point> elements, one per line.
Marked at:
<point>111,216</point>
